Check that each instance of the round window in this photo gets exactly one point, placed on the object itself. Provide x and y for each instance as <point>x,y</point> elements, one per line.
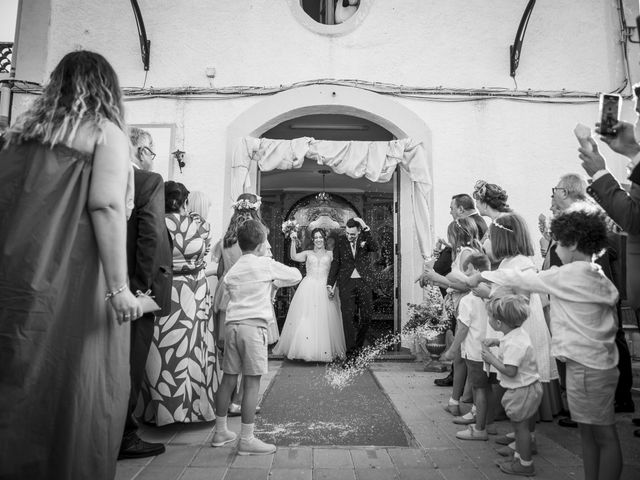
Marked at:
<point>330,17</point>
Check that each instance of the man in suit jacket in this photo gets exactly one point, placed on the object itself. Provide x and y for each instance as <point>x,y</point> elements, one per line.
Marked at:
<point>462,206</point>
<point>351,268</point>
<point>149,258</point>
<point>623,207</point>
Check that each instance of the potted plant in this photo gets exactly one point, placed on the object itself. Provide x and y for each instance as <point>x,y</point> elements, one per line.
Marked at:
<point>428,324</point>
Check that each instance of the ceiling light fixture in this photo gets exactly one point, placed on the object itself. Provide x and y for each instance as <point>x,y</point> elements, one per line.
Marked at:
<point>323,197</point>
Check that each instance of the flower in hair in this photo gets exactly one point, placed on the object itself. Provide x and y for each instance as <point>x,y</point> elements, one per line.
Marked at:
<point>245,204</point>
<point>480,189</point>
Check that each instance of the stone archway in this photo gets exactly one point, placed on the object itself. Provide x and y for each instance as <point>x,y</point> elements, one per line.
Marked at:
<point>386,112</point>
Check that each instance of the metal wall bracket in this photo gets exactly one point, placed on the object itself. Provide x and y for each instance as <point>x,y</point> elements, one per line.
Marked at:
<point>145,44</point>
<point>514,50</point>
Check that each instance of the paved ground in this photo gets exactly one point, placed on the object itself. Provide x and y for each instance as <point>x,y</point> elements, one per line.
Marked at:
<point>434,452</point>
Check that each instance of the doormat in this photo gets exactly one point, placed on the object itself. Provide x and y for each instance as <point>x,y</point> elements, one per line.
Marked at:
<point>300,408</point>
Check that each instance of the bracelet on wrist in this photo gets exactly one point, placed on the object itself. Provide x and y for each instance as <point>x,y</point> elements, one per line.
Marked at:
<point>115,292</point>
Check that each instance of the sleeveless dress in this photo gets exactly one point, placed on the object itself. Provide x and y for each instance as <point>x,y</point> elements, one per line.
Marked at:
<point>313,327</point>
<point>64,359</point>
<point>181,375</point>
<point>536,326</point>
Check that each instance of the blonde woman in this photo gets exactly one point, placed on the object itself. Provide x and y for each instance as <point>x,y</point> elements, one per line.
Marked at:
<point>64,296</point>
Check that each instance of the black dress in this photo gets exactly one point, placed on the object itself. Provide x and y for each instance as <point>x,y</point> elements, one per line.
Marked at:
<point>64,359</point>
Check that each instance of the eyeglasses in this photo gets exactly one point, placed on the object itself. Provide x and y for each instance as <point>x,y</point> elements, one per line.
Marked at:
<point>148,152</point>
<point>553,190</point>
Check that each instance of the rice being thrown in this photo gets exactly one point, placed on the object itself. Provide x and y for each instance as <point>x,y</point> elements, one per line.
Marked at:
<point>427,320</point>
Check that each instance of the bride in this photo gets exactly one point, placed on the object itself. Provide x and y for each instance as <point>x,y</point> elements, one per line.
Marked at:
<point>313,327</point>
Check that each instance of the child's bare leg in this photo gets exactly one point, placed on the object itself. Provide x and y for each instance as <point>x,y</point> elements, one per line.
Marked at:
<point>523,439</point>
<point>223,395</point>
<point>238,392</point>
<point>590,452</point>
<point>459,376</point>
<point>606,437</point>
<point>491,407</point>
<point>250,398</point>
<point>480,399</point>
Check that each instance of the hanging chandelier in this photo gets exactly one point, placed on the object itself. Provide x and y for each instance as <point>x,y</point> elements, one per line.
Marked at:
<point>323,197</point>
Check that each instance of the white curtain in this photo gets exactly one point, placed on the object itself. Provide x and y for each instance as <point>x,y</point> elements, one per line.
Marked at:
<point>374,160</point>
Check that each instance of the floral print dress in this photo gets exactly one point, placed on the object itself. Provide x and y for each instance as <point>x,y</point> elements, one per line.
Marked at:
<point>181,376</point>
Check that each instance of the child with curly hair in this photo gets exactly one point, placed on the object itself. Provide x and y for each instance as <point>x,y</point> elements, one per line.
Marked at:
<point>583,327</point>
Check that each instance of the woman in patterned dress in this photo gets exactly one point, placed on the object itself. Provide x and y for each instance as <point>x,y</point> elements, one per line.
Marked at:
<point>181,376</point>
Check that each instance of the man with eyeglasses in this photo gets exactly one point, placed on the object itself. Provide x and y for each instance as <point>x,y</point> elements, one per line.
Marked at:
<point>621,205</point>
<point>149,258</point>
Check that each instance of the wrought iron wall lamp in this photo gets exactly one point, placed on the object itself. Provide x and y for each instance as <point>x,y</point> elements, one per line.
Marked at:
<point>178,156</point>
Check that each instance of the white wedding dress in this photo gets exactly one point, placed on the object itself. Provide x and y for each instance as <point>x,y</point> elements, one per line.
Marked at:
<point>313,327</point>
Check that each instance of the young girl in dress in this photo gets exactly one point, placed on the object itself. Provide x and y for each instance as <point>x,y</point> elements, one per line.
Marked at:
<point>463,237</point>
<point>313,327</point>
<point>510,244</point>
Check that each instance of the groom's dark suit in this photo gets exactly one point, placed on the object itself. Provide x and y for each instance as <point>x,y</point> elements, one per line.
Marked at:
<point>354,292</point>
<point>149,258</point>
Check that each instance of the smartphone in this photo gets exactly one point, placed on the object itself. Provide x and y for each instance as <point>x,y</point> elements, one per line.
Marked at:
<point>610,105</point>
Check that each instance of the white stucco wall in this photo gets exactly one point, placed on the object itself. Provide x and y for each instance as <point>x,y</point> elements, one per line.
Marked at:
<point>523,146</point>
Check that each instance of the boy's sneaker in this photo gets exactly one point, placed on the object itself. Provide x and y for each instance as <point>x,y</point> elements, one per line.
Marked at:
<point>255,446</point>
<point>504,440</point>
<point>516,468</point>
<point>506,451</point>
<point>453,410</point>
<point>509,449</point>
<point>222,438</point>
<point>472,434</point>
<point>466,419</point>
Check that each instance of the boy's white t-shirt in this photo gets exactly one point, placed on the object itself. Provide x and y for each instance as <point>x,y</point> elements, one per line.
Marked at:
<point>583,319</point>
<point>472,313</point>
<point>250,282</point>
<point>516,349</point>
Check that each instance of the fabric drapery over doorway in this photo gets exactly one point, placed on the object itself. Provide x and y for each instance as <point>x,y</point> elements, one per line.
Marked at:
<point>375,161</point>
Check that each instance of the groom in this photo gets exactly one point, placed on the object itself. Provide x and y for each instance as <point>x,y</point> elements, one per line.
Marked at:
<point>352,269</point>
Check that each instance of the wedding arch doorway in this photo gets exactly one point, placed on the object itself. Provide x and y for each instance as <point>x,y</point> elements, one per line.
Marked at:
<point>412,180</point>
<point>314,195</point>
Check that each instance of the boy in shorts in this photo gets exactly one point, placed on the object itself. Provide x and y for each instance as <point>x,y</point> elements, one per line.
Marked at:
<point>518,374</point>
<point>249,283</point>
<point>470,332</point>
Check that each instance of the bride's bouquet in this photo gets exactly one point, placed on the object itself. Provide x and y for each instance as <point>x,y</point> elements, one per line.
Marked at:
<point>289,227</point>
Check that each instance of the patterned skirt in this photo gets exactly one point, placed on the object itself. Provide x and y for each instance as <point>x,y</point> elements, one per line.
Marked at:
<point>181,377</point>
